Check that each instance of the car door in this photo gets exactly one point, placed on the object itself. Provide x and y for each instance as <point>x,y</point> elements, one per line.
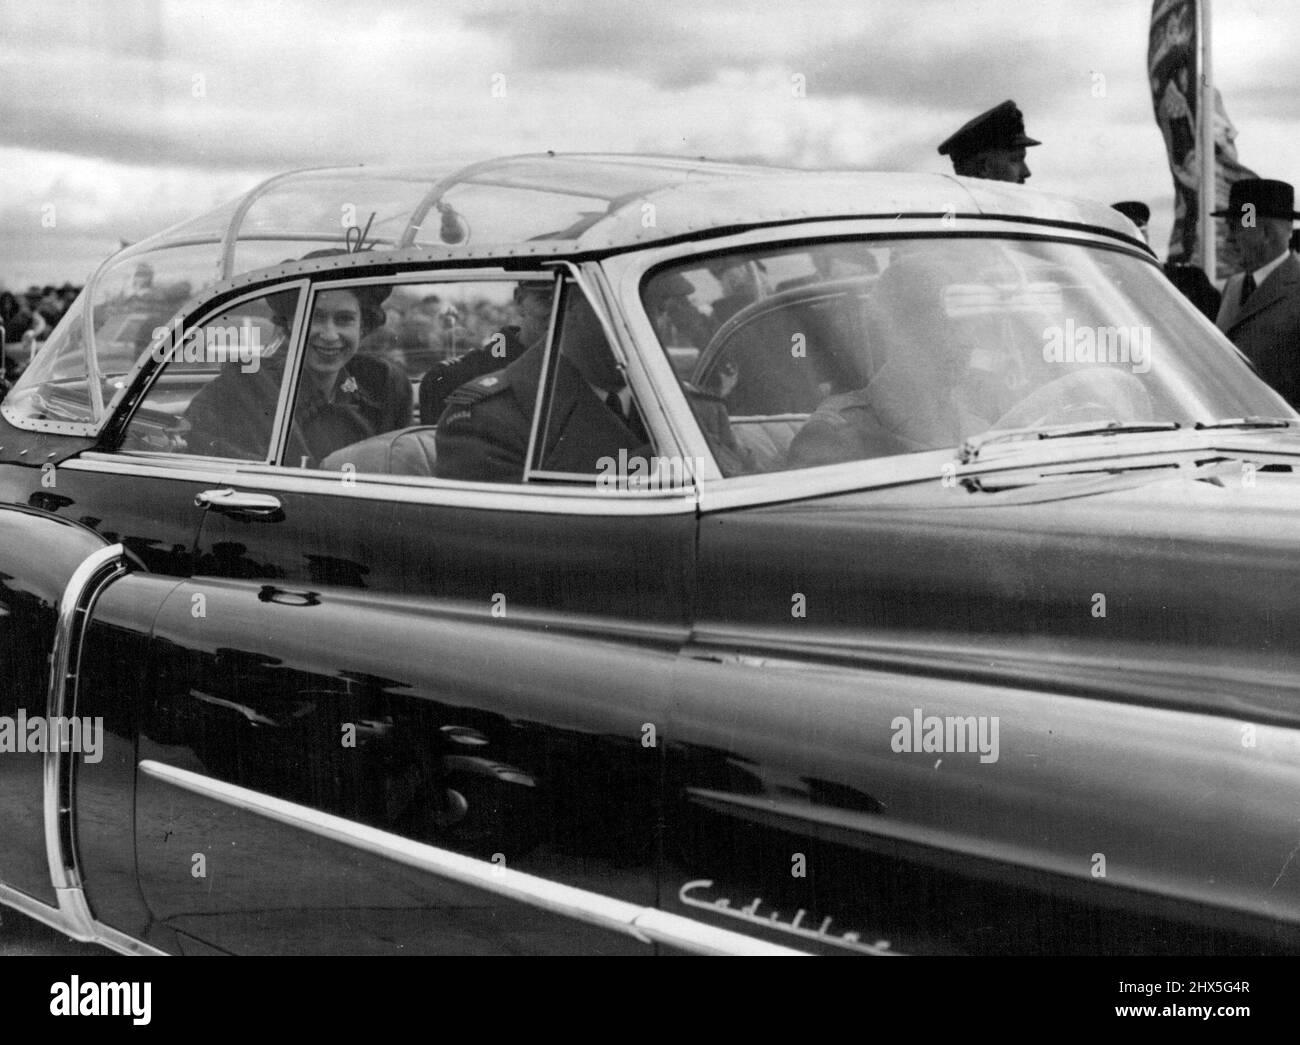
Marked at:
<point>400,714</point>
<point>138,484</point>
<point>131,488</point>
<point>905,723</point>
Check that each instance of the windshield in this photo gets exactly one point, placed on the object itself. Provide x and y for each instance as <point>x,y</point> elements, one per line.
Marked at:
<point>868,348</point>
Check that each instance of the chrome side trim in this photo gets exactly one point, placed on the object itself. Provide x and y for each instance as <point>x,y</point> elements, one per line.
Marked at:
<point>74,608</point>
<point>73,915</point>
<point>1174,448</point>
<point>646,924</point>
<point>549,500</point>
<point>55,919</point>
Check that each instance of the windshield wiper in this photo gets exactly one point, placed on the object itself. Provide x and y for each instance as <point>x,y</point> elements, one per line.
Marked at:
<point>971,447</point>
<point>1244,422</point>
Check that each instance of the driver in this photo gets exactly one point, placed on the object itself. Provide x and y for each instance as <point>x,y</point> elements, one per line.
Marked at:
<point>919,399</point>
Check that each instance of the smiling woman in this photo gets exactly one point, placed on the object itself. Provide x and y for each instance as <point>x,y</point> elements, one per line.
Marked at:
<point>342,397</point>
<point>345,397</point>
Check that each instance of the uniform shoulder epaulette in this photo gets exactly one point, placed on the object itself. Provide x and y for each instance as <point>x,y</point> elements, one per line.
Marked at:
<point>477,390</point>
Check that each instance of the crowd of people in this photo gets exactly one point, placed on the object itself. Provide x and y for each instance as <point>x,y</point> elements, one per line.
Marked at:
<point>421,331</point>
<point>37,310</point>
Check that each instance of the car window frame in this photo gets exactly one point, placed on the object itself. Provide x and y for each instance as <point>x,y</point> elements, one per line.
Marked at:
<point>149,375</point>
<point>542,496</point>
<point>649,392</point>
<point>569,284</point>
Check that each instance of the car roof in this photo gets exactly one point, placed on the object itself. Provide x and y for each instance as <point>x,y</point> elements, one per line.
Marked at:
<point>550,204</point>
<point>516,207</point>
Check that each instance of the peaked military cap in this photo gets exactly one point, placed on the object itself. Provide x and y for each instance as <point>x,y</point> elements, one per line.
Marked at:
<point>1135,210</point>
<point>1002,127</point>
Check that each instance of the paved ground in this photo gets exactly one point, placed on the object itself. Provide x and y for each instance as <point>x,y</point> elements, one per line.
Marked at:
<point>22,936</point>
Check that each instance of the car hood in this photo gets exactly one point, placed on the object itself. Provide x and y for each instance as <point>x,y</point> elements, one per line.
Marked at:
<point>1185,577</point>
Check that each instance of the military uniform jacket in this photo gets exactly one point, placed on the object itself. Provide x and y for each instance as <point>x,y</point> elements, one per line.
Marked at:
<point>483,432</point>
<point>445,377</point>
<point>1268,328</point>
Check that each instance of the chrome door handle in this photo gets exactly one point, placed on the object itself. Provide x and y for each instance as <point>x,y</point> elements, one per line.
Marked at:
<point>238,502</point>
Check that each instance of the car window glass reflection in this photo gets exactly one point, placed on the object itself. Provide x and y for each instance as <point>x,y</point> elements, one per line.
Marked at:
<point>797,357</point>
<point>461,339</point>
<point>217,393</point>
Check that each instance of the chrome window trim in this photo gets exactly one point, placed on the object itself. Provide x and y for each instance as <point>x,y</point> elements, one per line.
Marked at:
<point>486,274</point>
<point>647,925</point>
<point>847,477</point>
<point>646,382</point>
<point>74,916</point>
<point>513,497</point>
<point>585,280</point>
<point>294,353</point>
<point>558,295</point>
<point>798,484</point>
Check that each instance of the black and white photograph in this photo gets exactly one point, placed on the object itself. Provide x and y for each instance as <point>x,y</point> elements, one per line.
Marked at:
<point>728,477</point>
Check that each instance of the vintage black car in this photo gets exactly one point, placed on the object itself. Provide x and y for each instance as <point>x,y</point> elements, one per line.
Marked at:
<point>797,562</point>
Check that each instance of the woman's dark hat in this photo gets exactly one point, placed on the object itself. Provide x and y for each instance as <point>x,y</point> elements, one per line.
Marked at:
<point>1269,198</point>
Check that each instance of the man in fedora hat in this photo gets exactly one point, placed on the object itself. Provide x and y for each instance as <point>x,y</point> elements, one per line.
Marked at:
<point>1191,281</point>
<point>1260,311</point>
<point>992,145</point>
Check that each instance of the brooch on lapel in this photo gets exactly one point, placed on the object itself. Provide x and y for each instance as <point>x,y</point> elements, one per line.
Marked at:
<point>350,385</point>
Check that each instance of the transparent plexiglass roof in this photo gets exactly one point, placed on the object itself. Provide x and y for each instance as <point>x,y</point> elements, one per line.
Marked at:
<point>543,204</point>
<point>504,202</point>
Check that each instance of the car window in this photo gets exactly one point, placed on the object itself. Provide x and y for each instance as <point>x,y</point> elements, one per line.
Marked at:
<point>385,364</point>
<point>377,364</point>
<point>590,425</point>
<point>218,391</point>
<point>855,350</point>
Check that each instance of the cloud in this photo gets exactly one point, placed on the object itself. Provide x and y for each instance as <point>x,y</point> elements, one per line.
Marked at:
<point>240,85</point>
<point>206,96</point>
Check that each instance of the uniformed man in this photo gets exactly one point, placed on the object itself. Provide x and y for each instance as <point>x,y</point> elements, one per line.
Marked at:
<point>992,145</point>
<point>533,300</point>
<point>483,432</point>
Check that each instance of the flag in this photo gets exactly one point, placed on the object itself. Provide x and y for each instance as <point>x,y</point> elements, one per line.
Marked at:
<point>1173,69</point>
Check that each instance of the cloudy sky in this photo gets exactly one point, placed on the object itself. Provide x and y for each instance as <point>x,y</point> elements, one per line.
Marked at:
<point>129,115</point>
